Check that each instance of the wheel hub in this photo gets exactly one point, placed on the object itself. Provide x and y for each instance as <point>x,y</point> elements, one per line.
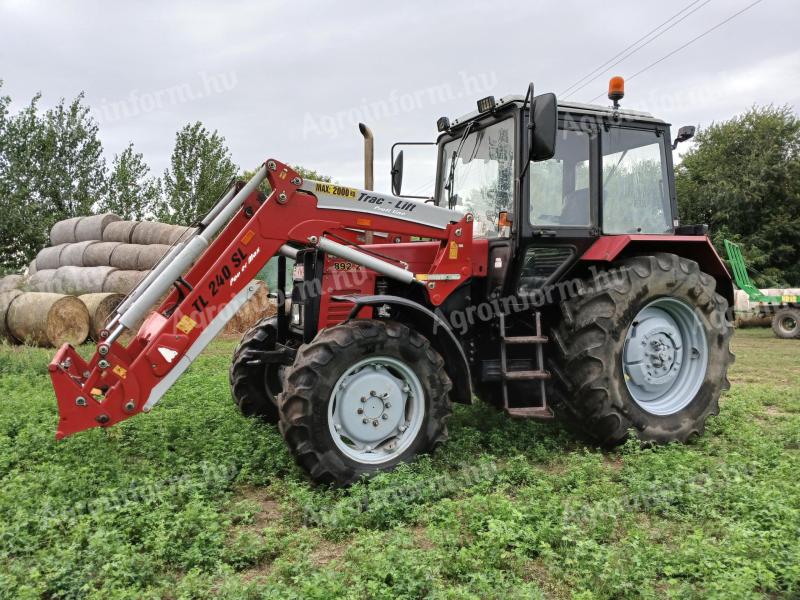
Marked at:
<point>665,356</point>
<point>653,354</point>
<point>372,404</point>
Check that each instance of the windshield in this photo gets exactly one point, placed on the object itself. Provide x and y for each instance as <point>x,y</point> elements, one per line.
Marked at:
<point>483,176</point>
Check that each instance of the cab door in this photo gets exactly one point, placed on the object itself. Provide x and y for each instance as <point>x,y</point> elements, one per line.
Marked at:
<point>559,218</point>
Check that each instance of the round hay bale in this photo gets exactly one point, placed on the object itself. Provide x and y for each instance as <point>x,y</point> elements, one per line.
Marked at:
<point>100,307</point>
<point>255,309</point>
<point>32,267</point>
<point>63,232</point>
<point>148,232</point>
<point>81,280</point>
<point>176,233</point>
<point>42,281</point>
<point>72,254</point>
<point>126,256</point>
<point>11,282</point>
<point>150,255</point>
<point>99,254</point>
<point>119,231</point>
<point>91,228</point>
<point>49,258</point>
<point>48,319</point>
<point>6,298</point>
<point>122,282</point>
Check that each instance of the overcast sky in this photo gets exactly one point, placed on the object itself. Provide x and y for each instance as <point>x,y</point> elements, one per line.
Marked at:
<point>290,80</point>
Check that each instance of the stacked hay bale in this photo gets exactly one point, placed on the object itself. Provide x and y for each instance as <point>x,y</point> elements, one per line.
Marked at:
<point>74,285</point>
<point>100,254</point>
<point>94,261</point>
<point>100,307</point>
<point>255,309</point>
<point>46,320</point>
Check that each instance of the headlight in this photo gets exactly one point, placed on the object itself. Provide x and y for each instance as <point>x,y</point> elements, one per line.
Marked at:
<point>298,272</point>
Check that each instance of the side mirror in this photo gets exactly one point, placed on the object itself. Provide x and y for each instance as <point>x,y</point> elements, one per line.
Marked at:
<point>684,133</point>
<point>397,174</point>
<point>542,127</point>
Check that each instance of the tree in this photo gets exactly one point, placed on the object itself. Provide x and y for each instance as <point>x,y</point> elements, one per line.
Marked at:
<point>130,191</point>
<point>73,177</point>
<point>52,169</point>
<point>311,174</point>
<point>742,178</point>
<point>247,175</point>
<point>201,170</point>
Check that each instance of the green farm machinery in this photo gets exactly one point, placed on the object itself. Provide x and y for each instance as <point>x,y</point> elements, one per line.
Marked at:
<point>784,309</point>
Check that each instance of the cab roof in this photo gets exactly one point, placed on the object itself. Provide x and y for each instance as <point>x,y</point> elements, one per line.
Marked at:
<point>566,107</point>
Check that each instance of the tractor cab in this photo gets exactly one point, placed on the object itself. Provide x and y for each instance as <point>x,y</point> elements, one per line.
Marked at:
<point>542,201</point>
<point>559,191</point>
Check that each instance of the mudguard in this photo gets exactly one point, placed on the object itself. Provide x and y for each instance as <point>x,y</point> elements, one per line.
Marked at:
<point>694,247</point>
<point>435,329</point>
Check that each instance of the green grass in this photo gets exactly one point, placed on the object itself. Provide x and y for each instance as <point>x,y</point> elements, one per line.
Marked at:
<point>194,501</point>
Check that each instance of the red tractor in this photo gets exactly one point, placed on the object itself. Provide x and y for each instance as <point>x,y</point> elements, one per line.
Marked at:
<point>548,275</point>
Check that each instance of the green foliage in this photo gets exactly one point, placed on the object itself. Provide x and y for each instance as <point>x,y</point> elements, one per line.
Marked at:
<point>247,174</point>
<point>195,501</point>
<point>52,169</point>
<point>311,174</point>
<point>130,191</point>
<point>743,179</point>
<point>200,172</point>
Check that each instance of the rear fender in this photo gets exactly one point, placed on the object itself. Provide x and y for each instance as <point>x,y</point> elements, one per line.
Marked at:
<point>432,327</point>
<point>610,248</point>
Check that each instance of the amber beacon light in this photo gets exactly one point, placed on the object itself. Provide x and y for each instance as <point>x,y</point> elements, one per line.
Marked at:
<point>616,90</point>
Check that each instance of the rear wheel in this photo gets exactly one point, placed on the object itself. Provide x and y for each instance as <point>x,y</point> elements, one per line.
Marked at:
<point>363,397</point>
<point>649,351</point>
<point>786,323</point>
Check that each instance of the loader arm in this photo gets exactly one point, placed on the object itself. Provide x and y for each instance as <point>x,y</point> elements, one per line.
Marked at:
<point>209,276</point>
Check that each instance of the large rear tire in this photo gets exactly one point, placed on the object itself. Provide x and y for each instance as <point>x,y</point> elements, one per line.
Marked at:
<point>363,397</point>
<point>786,323</point>
<point>255,384</point>
<point>647,351</point>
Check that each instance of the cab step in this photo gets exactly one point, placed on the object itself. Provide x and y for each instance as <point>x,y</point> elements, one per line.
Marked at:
<point>530,412</point>
<point>515,370</point>
<point>526,375</point>
<point>526,339</point>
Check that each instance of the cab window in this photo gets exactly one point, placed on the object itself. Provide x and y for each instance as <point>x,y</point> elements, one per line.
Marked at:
<point>560,186</point>
<point>635,194</point>
<point>482,179</point>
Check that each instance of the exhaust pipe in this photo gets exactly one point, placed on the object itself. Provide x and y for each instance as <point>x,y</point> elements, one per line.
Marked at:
<point>369,156</point>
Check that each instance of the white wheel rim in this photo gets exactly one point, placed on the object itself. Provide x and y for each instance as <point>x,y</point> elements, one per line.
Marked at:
<point>665,357</point>
<point>376,410</point>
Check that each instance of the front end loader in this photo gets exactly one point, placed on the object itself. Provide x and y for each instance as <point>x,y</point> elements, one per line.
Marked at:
<point>548,275</point>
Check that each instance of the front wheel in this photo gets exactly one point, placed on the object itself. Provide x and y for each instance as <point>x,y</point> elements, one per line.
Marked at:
<point>256,383</point>
<point>363,397</point>
<point>646,351</point>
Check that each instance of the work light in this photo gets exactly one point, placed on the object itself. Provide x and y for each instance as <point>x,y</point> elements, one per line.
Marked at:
<point>486,104</point>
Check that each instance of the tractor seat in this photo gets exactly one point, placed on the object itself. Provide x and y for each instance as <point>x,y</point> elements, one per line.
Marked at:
<point>576,208</point>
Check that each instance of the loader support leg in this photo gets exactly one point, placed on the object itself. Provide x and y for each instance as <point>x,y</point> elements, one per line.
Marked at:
<point>283,325</point>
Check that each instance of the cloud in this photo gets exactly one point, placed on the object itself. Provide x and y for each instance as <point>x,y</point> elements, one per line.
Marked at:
<point>291,60</point>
